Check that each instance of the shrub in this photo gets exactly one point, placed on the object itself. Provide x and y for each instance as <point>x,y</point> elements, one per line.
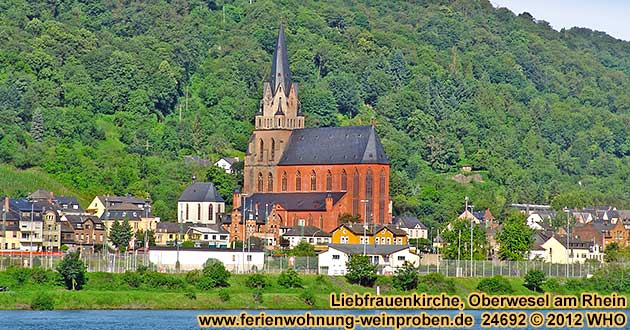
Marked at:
<point>308,297</point>
<point>436,283</point>
<point>43,302</point>
<point>290,279</point>
<point>193,276</point>
<point>72,270</point>
<point>612,278</point>
<point>64,248</point>
<point>361,271</point>
<point>256,281</point>
<point>258,296</point>
<point>19,274</point>
<point>157,280</point>
<point>495,285</point>
<point>534,279</point>
<point>132,279</point>
<point>224,295</point>
<point>214,275</point>
<point>142,269</point>
<point>40,275</point>
<point>190,294</point>
<point>551,285</point>
<point>406,277</point>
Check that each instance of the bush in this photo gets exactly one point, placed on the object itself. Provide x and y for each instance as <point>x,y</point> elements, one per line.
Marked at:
<point>142,269</point>
<point>72,270</point>
<point>190,294</point>
<point>495,285</point>
<point>258,296</point>
<point>290,279</point>
<point>193,276</point>
<point>612,278</point>
<point>406,277</point>
<point>436,283</point>
<point>214,275</point>
<point>551,285</point>
<point>132,279</point>
<point>308,297</point>
<point>19,274</point>
<point>40,275</point>
<point>157,280</point>
<point>256,281</point>
<point>43,302</point>
<point>361,271</point>
<point>224,295</point>
<point>534,279</point>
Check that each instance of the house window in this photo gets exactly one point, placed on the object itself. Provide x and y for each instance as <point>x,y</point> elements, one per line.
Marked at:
<point>328,181</point>
<point>378,240</point>
<point>270,182</point>
<point>313,180</point>
<point>249,257</point>
<point>344,239</point>
<point>298,181</point>
<point>284,181</point>
<point>344,180</point>
<point>260,182</point>
<point>336,257</point>
<point>401,258</point>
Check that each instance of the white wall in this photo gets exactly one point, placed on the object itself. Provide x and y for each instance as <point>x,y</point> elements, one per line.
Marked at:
<point>388,263</point>
<point>295,240</point>
<point>234,260</point>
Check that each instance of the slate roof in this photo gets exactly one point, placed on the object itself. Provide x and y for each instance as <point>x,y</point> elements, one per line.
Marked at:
<point>297,201</point>
<point>211,229</point>
<point>171,227</point>
<point>76,220</point>
<point>334,145</point>
<point>69,202</point>
<point>310,231</point>
<point>371,249</point>
<point>40,194</point>
<point>122,215</point>
<point>121,199</point>
<point>407,221</point>
<point>201,192</point>
<point>280,72</point>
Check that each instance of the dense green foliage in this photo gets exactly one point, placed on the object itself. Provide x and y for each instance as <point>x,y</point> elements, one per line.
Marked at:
<point>43,302</point>
<point>406,277</point>
<point>118,95</point>
<point>73,271</point>
<point>360,270</point>
<point>121,234</point>
<point>302,249</point>
<point>214,275</point>
<point>534,280</point>
<point>515,238</point>
<point>257,281</point>
<point>457,240</point>
<point>290,279</point>
<point>495,285</point>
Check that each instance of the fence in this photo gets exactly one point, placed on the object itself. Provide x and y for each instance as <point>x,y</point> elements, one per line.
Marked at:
<point>121,262</point>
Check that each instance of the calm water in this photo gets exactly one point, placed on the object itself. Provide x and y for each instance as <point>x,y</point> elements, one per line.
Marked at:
<point>156,319</point>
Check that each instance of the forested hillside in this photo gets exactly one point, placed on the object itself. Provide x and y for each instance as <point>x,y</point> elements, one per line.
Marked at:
<point>109,96</point>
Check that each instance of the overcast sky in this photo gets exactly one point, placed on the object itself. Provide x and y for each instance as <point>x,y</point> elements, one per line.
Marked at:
<point>610,16</point>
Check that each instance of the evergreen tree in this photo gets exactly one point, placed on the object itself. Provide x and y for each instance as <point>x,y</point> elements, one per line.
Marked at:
<point>37,126</point>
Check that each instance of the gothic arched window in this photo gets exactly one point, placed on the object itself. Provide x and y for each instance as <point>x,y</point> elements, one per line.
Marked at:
<point>210,212</point>
<point>355,192</point>
<point>273,149</point>
<point>381,202</point>
<point>368,195</point>
<point>344,180</point>
<point>260,182</point>
<point>328,181</point>
<point>284,181</point>
<point>270,182</point>
<point>261,148</point>
<point>313,180</point>
<point>298,181</point>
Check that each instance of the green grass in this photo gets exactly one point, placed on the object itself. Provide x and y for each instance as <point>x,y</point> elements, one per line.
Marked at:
<point>16,182</point>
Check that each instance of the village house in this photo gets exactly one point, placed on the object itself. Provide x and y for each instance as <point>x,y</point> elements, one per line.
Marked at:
<point>168,233</point>
<point>557,250</point>
<point>226,163</point>
<point>88,231</point>
<point>412,226</point>
<point>234,260</point>
<point>213,236</point>
<point>200,203</point>
<point>100,204</point>
<point>10,235</point>
<point>309,234</point>
<point>139,219</point>
<point>387,257</point>
<point>371,234</point>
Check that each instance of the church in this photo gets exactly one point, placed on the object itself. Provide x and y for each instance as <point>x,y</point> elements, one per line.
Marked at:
<point>296,176</point>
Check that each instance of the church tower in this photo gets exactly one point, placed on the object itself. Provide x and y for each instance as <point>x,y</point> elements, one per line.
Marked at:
<point>278,114</point>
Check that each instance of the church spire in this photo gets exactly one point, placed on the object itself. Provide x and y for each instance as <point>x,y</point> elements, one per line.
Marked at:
<point>280,73</point>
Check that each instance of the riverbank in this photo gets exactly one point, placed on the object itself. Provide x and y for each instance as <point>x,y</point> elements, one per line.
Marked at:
<point>174,291</point>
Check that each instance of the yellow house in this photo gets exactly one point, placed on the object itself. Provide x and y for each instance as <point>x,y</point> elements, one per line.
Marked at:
<point>358,234</point>
<point>167,233</point>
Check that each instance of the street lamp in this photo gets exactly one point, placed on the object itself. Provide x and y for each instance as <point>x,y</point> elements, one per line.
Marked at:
<point>243,202</point>
<point>365,224</point>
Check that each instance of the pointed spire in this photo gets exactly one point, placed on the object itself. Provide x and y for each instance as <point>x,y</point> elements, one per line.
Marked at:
<point>280,73</point>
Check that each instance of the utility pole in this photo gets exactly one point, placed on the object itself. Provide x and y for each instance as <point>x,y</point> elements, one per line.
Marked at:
<point>567,265</point>
<point>365,224</point>
<point>243,212</point>
<point>472,207</point>
<point>459,249</point>
<point>30,252</point>
<point>4,222</point>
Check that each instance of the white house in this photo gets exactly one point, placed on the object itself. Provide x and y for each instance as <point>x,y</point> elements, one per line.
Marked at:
<point>209,236</point>
<point>554,250</point>
<point>200,203</point>
<point>226,163</point>
<point>387,257</point>
<point>309,234</point>
<point>235,260</point>
<point>412,226</point>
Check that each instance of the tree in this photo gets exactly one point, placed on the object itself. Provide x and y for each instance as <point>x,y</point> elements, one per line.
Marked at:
<point>142,235</point>
<point>214,275</point>
<point>360,270</point>
<point>534,279</point>
<point>37,125</point>
<point>72,270</point>
<point>406,277</point>
<point>515,238</point>
<point>457,241</point>
<point>120,234</point>
<point>302,249</point>
<point>348,218</point>
<point>290,279</point>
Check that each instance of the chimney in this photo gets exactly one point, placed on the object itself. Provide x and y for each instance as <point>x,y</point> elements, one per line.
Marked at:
<point>52,197</point>
<point>329,202</point>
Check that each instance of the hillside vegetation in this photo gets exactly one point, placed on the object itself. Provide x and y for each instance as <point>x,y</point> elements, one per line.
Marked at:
<point>109,96</point>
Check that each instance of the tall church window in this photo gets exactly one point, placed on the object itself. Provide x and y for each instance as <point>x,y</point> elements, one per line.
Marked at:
<point>284,181</point>
<point>273,149</point>
<point>298,181</point>
<point>210,212</point>
<point>260,182</point>
<point>270,182</point>
<point>381,202</point>
<point>187,211</point>
<point>198,211</point>
<point>313,180</point>
<point>328,181</point>
<point>344,180</point>
<point>368,195</point>
<point>261,150</point>
<point>355,192</point>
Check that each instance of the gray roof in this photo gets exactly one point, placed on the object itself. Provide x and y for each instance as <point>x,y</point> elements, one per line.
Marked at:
<point>172,227</point>
<point>201,192</point>
<point>122,199</point>
<point>298,201</point>
<point>310,231</point>
<point>68,202</point>
<point>407,221</point>
<point>334,145</point>
<point>280,73</point>
<point>370,249</point>
<point>130,215</point>
<point>40,194</point>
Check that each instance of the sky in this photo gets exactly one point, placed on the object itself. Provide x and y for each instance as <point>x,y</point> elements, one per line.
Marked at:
<point>610,16</point>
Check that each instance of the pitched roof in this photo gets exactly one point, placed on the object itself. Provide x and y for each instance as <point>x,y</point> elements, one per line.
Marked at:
<point>280,72</point>
<point>310,231</point>
<point>40,194</point>
<point>122,215</point>
<point>407,221</point>
<point>334,145</point>
<point>171,227</point>
<point>121,199</point>
<point>211,229</point>
<point>358,229</point>
<point>201,192</point>
<point>370,249</point>
<point>69,202</point>
<point>295,201</point>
